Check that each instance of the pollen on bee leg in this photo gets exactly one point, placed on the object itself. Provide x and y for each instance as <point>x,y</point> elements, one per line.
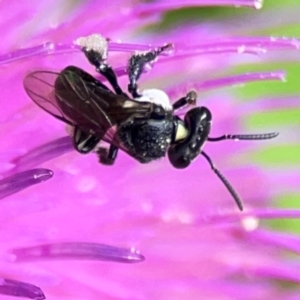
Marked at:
<point>94,42</point>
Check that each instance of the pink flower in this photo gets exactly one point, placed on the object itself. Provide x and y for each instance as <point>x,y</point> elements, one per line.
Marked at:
<point>141,231</point>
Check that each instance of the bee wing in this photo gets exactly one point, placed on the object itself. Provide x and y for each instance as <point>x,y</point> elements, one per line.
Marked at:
<point>85,100</point>
<point>71,98</point>
<point>39,86</point>
<point>77,98</point>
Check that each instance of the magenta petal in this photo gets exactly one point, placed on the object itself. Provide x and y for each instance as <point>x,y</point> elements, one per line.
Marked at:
<point>274,213</point>
<point>162,6</point>
<point>198,245</point>
<point>23,180</point>
<point>239,79</point>
<point>252,45</point>
<point>282,240</point>
<point>86,251</point>
<point>27,52</point>
<point>44,153</point>
<point>232,217</point>
<point>277,272</point>
<point>20,289</point>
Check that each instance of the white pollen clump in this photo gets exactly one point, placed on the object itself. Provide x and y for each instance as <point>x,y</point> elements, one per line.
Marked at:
<point>95,42</point>
<point>156,96</point>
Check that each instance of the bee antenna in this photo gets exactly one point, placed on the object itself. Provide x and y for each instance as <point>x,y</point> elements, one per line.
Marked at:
<point>229,187</point>
<point>237,137</point>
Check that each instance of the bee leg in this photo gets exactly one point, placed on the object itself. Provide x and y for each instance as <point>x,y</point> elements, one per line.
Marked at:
<point>97,60</point>
<point>107,156</point>
<point>137,64</point>
<point>84,142</point>
<point>189,99</point>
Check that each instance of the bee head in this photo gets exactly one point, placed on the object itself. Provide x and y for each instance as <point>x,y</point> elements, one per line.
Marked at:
<point>197,122</point>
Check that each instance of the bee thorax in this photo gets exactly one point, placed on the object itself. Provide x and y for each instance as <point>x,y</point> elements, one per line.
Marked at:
<point>156,96</point>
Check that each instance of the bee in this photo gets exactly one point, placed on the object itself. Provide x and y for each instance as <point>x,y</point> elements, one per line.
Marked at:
<point>144,125</point>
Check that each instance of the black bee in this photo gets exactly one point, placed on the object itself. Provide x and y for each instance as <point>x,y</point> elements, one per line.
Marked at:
<point>142,125</point>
